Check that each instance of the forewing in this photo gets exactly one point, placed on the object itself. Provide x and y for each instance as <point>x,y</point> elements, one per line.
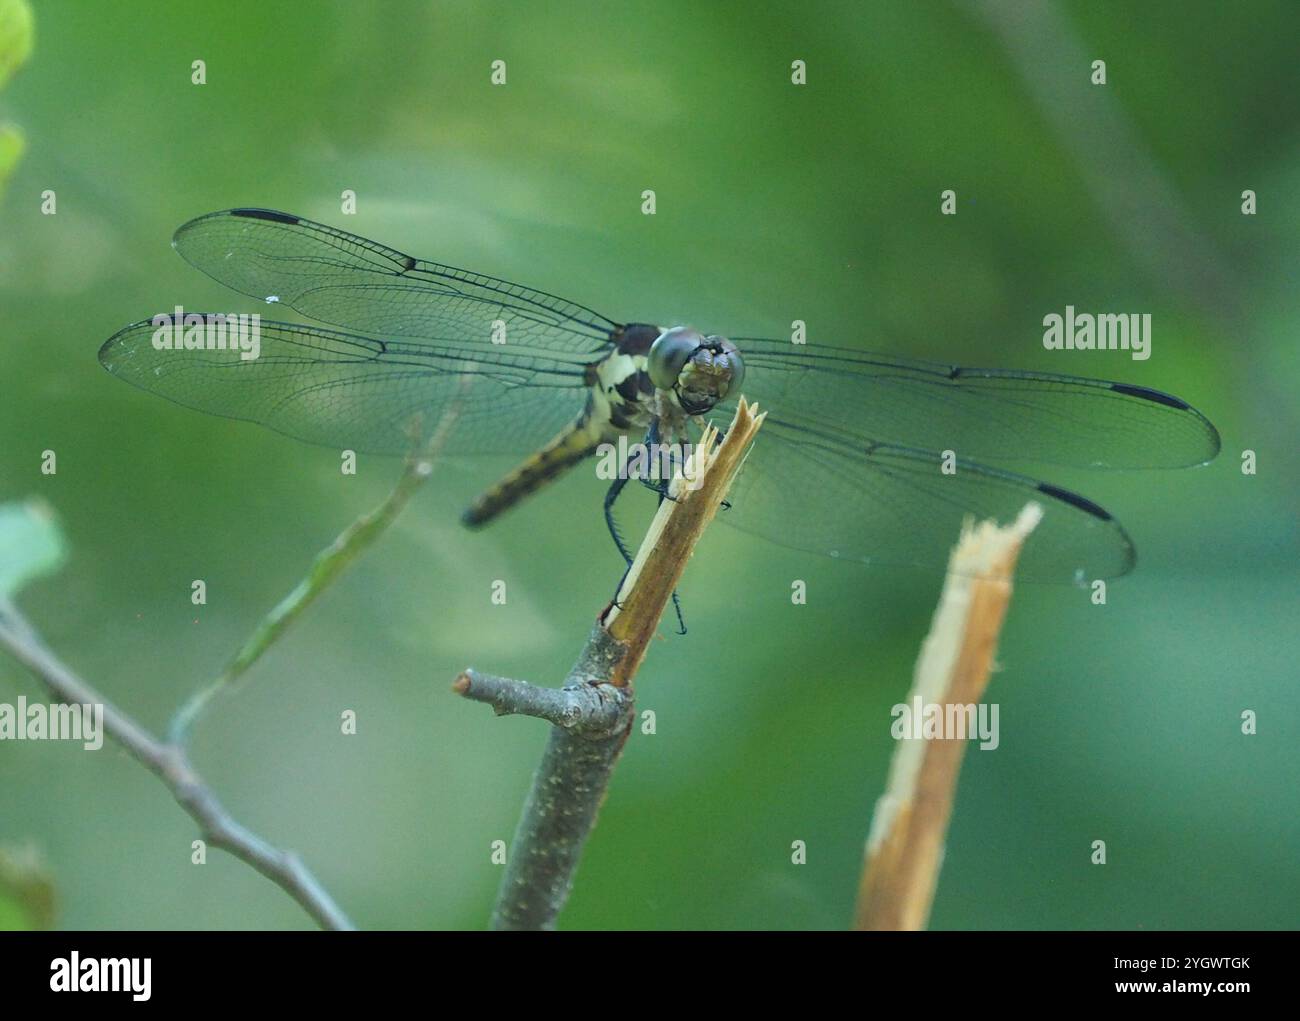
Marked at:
<point>342,390</point>
<point>340,278</point>
<point>991,415</point>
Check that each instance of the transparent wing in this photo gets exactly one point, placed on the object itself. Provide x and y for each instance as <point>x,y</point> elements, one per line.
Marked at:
<point>991,415</point>
<point>890,504</point>
<point>339,278</point>
<point>361,393</point>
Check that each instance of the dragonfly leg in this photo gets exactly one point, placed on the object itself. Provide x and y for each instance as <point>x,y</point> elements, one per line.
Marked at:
<point>722,435</point>
<point>681,621</point>
<point>615,488</point>
<point>660,480</point>
<point>611,495</point>
<point>660,488</point>
<point>677,603</point>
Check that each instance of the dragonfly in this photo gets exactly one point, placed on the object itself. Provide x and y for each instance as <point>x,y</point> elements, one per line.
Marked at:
<point>863,457</point>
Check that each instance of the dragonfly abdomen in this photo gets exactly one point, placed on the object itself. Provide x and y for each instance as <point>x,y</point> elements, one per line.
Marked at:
<point>618,403</point>
<point>548,464</point>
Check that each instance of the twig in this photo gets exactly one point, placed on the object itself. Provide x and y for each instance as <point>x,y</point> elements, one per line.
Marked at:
<point>905,848</point>
<point>579,705</point>
<point>325,569</point>
<point>593,713</point>
<point>169,763</point>
<point>167,759</point>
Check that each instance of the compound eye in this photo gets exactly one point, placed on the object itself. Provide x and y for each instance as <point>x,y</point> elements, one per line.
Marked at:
<point>670,353</point>
<point>731,354</point>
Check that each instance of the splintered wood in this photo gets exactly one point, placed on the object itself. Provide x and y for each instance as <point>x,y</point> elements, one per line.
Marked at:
<point>905,847</point>
<point>676,529</point>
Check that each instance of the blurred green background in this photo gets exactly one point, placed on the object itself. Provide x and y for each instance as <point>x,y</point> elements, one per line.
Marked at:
<point>775,202</point>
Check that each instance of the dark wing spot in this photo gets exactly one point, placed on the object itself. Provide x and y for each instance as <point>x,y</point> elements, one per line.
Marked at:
<point>408,263</point>
<point>1147,394</point>
<point>264,214</point>
<point>1074,500</point>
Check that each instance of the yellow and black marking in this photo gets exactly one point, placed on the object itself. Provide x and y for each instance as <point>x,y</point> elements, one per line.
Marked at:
<point>566,450</point>
<point>619,403</point>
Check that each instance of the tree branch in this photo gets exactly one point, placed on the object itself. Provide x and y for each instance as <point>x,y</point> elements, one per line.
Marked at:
<point>594,711</point>
<point>169,763</point>
<point>167,759</point>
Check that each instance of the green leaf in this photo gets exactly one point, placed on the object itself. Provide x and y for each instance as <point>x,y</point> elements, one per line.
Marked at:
<point>11,150</point>
<point>17,36</point>
<point>31,544</point>
<point>26,891</point>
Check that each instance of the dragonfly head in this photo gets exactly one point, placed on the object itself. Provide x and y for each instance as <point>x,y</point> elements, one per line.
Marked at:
<point>700,370</point>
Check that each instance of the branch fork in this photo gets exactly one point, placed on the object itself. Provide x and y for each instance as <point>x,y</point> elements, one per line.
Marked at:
<point>593,713</point>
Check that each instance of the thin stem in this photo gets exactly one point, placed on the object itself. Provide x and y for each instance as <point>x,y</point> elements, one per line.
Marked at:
<point>325,569</point>
<point>169,763</point>
<point>1116,163</point>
